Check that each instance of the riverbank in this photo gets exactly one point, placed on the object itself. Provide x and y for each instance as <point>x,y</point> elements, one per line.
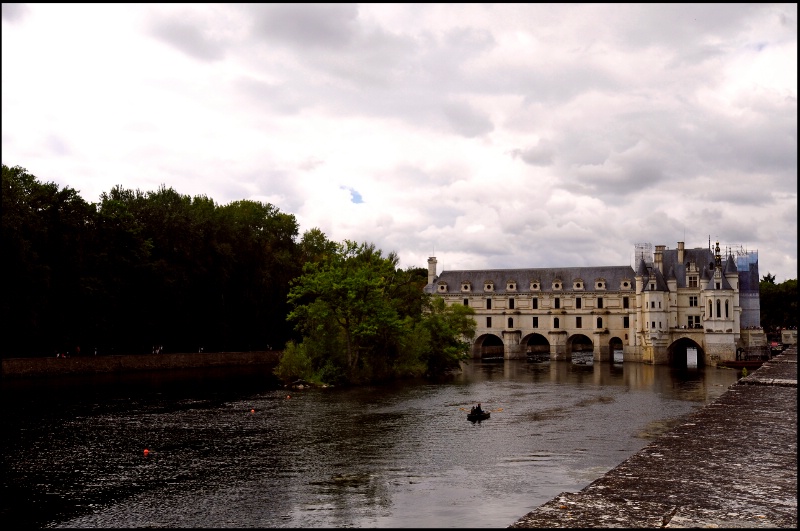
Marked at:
<point>13,368</point>
<point>732,464</point>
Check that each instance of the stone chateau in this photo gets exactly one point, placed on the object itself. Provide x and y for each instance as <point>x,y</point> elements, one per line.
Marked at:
<point>677,301</point>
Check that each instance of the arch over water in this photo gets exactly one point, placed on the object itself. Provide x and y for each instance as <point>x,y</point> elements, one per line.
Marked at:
<point>580,348</point>
<point>490,347</point>
<point>537,347</point>
<point>677,353</point>
<point>615,344</point>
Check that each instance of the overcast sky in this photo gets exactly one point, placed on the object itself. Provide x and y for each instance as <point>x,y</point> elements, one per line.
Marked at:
<point>493,136</point>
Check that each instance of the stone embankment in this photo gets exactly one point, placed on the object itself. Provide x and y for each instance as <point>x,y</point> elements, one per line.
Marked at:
<point>85,365</point>
<point>732,464</point>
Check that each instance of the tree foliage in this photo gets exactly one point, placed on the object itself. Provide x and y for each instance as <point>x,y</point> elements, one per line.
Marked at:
<point>778,303</point>
<point>140,269</point>
<point>362,319</point>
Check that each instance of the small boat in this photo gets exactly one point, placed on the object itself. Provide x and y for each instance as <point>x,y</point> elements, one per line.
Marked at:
<point>483,415</point>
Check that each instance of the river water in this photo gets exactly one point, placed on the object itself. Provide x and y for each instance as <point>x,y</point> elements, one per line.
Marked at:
<point>230,448</point>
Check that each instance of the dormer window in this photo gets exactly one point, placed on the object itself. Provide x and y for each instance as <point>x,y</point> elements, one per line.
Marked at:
<point>511,285</point>
<point>626,284</point>
<point>535,285</point>
<point>466,286</point>
<point>488,286</point>
<point>442,287</point>
<point>600,283</point>
<point>578,284</point>
<point>557,283</point>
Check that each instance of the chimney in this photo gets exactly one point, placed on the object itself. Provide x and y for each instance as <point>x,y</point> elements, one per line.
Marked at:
<point>431,269</point>
<point>680,252</point>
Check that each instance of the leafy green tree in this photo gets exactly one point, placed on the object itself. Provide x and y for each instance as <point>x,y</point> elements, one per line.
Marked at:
<point>363,319</point>
<point>449,331</point>
<point>778,304</point>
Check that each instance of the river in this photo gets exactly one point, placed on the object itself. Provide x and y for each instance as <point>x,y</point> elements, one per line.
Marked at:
<point>230,448</point>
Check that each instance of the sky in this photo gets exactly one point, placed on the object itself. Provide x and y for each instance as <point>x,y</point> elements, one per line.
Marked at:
<point>491,136</point>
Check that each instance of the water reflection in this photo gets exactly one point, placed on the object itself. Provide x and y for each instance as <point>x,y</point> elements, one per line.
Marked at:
<point>228,448</point>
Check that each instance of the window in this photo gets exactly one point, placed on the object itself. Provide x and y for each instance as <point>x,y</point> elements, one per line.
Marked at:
<point>693,301</point>
<point>555,322</point>
<point>726,309</point>
<point>652,304</point>
<point>599,302</point>
<point>535,304</point>
<point>557,303</point>
<point>466,302</point>
<point>717,285</point>
<point>659,325</point>
<point>694,321</point>
<point>535,321</point>
<point>626,303</point>
<point>578,303</point>
<point>599,322</point>
<point>692,281</point>
<point>488,322</point>
<point>710,309</point>
<point>654,325</point>
<point>659,304</point>
<point>488,304</point>
<point>511,322</point>
<point>510,304</point>
<point>578,322</point>
<point>719,313</point>
<point>626,322</point>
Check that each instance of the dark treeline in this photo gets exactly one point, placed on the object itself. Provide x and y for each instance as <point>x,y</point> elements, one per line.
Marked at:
<point>778,304</point>
<point>140,270</point>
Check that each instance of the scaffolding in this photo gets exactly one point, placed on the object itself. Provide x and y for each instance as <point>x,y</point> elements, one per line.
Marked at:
<point>744,258</point>
<point>644,251</point>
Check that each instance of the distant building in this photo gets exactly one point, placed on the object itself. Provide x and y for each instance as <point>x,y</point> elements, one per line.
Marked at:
<point>676,299</point>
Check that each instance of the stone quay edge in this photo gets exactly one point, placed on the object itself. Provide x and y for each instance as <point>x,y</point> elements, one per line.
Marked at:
<point>731,464</point>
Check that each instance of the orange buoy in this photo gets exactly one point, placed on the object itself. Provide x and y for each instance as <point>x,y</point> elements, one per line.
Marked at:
<point>288,396</point>
<point>252,411</point>
<point>146,451</point>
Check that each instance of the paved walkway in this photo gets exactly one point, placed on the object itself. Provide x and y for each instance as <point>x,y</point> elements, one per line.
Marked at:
<point>732,464</point>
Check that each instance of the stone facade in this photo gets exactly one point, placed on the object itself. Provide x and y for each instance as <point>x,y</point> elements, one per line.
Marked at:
<point>675,303</point>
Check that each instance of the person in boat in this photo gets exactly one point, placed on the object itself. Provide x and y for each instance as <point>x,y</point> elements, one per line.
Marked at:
<point>477,409</point>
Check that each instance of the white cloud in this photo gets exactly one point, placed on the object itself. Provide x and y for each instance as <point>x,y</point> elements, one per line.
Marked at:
<point>495,135</point>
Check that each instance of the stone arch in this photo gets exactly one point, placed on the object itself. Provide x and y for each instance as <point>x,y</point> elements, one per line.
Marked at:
<point>580,349</point>
<point>676,352</point>
<point>537,347</point>
<point>615,344</point>
<point>490,346</point>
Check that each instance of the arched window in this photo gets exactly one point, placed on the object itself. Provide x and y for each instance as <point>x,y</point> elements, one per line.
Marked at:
<point>555,322</point>
<point>710,309</point>
<point>726,309</point>
<point>511,322</point>
<point>719,313</point>
<point>599,322</point>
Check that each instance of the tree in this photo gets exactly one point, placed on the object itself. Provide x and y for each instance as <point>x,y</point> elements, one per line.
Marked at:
<point>449,330</point>
<point>778,304</point>
<point>362,319</point>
